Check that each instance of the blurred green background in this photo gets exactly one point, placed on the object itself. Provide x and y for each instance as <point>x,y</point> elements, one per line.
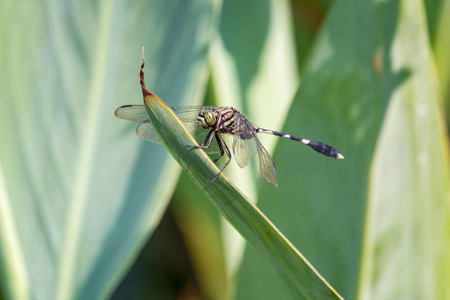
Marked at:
<point>90,211</point>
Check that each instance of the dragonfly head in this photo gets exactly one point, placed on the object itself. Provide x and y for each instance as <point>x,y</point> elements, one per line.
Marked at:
<point>206,118</point>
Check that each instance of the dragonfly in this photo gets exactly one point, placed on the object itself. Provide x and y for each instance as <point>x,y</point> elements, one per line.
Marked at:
<point>221,121</point>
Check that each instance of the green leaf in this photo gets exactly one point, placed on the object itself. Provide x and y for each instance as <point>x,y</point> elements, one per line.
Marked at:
<point>296,272</point>
<point>253,60</point>
<point>439,24</point>
<point>407,218</point>
<point>376,224</point>
<point>79,193</point>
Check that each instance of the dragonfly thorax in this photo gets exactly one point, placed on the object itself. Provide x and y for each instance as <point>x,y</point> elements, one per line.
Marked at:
<point>206,118</point>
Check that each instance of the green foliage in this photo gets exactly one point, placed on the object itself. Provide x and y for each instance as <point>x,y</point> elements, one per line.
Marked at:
<point>375,225</point>
<point>297,273</point>
<point>80,193</point>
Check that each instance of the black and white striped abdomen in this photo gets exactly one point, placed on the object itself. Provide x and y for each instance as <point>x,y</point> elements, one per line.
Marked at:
<point>319,147</point>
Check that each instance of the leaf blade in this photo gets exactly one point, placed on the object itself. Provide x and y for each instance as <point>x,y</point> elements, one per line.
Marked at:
<point>299,275</point>
<point>63,74</point>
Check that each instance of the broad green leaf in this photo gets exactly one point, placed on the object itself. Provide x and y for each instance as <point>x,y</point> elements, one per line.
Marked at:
<point>376,224</point>
<point>200,222</point>
<point>407,215</point>
<point>252,60</point>
<point>439,28</point>
<point>246,72</point>
<point>296,272</point>
<point>308,17</point>
<point>79,193</point>
<point>320,202</point>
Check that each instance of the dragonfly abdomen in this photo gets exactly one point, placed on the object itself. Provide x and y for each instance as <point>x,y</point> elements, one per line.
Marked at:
<point>319,147</point>
<point>288,136</point>
<point>325,149</point>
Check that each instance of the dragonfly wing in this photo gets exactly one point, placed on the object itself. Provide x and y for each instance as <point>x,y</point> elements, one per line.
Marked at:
<point>146,131</point>
<point>245,141</point>
<point>187,114</point>
<point>136,113</point>
<point>266,165</point>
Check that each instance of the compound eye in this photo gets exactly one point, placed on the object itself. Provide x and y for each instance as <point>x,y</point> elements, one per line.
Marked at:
<point>210,118</point>
<point>201,119</point>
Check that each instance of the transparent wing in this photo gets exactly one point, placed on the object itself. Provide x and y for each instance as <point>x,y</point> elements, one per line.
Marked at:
<point>245,141</point>
<point>266,165</point>
<point>187,114</point>
<point>146,131</point>
<point>134,113</point>
<point>137,113</point>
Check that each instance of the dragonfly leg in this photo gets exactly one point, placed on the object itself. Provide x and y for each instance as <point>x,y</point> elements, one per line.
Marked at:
<point>224,145</point>
<point>208,139</point>
<point>221,150</point>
